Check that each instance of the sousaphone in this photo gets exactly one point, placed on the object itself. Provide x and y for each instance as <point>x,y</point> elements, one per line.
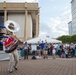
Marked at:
<point>13,27</point>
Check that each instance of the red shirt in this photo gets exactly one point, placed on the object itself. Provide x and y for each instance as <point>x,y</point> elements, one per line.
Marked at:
<point>52,47</point>
<point>8,41</point>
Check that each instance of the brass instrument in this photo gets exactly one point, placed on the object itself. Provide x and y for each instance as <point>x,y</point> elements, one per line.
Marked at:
<point>11,26</point>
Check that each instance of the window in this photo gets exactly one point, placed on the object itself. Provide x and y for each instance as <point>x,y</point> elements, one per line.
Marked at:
<point>1,19</point>
<point>1,23</point>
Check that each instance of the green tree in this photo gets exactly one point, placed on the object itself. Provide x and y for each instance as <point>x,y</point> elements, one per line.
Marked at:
<point>65,39</point>
<point>73,38</point>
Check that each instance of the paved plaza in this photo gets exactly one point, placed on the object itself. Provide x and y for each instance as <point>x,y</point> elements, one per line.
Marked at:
<point>58,66</point>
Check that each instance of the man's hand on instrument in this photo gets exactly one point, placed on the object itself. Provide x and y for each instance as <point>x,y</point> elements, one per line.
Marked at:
<point>17,38</point>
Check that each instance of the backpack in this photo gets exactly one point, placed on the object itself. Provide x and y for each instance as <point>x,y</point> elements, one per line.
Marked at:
<point>34,57</point>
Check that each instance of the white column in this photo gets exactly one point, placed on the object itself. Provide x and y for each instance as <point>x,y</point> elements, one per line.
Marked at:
<point>5,15</point>
<point>26,26</point>
<point>29,26</point>
<point>37,25</point>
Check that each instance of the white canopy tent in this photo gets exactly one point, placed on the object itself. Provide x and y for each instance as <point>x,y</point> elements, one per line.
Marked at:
<point>44,39</point>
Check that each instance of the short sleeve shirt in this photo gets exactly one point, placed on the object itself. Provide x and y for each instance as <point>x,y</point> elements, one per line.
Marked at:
<point>8,41</point>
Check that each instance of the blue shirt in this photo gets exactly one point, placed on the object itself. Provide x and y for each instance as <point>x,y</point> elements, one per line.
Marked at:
<point>42,45</point>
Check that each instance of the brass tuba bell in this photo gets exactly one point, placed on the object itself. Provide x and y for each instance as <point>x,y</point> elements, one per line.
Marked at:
<point>12,26</point>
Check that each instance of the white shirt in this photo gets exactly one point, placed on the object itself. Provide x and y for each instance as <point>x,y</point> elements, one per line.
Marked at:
<point>26,47</point>
<point>33,47</point>
<point>53,51</point>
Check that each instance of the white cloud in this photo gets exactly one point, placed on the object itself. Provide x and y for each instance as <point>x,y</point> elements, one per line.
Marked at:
<point>42,33</point>
<point>57,26</point>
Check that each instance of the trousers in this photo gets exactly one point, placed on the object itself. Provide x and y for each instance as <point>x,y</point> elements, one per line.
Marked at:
<point>25,54</point>
<point>53,56</point>
<point>14,59</point>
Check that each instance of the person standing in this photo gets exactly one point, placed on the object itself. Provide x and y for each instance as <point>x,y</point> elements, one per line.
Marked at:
<point>75,50</point>
<point>38,50</point>
<point>45,52</point>
<point>54,52</point>
<point>13,56</point>
<point>26,46</point>
<point>34,49</point>
<point>42,45</point>
<point>51,48</point>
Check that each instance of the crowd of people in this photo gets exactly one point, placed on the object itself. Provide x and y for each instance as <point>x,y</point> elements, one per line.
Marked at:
<point>37,50</point>
<point>45,49</point>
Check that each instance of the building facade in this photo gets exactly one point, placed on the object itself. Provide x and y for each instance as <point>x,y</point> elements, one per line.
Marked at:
<point>70,28</point>
<point>25,14</point>
<point>73,22</point>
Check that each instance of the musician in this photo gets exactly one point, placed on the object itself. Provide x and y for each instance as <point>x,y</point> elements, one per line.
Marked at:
<point>14,58</point>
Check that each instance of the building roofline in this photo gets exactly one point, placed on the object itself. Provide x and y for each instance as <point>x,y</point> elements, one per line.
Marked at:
<point>20,2</point>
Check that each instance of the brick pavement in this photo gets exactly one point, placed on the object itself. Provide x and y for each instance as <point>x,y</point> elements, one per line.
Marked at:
<point>59,66</point>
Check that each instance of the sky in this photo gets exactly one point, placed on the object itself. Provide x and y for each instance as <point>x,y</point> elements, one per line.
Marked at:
<point>54,16</point>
